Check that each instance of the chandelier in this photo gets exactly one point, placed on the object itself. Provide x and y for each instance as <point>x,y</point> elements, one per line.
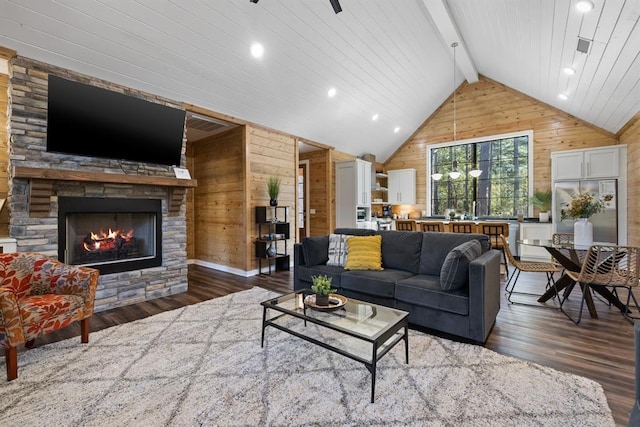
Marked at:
<point>455,173</point>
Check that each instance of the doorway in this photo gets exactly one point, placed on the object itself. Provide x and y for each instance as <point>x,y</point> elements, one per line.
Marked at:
<point>303,199</point>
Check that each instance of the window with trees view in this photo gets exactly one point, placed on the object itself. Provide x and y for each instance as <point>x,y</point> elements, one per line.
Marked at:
<point>501,190</point>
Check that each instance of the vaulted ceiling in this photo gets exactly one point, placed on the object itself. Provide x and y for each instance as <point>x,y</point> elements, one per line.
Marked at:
<point>391,58</point>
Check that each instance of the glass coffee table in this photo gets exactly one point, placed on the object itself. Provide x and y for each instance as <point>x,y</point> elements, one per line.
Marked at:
<point>359,330</point>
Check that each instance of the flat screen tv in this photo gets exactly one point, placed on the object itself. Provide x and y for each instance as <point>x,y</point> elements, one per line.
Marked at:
<point>90,121</point>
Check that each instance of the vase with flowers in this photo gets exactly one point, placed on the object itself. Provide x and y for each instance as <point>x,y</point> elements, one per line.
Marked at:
<point>582,207</point>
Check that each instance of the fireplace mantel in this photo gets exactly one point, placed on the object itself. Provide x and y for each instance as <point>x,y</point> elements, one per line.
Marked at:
<point>41,186</point>
<point>75,175</point>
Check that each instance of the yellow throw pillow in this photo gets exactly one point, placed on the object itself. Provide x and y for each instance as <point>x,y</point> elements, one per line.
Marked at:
<point>364,253</point>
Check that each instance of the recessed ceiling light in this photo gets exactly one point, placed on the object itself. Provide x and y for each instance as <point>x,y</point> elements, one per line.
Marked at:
<point>563,96</point>
<point>396,129</point>
<point>375,117</point>
<point>569,71</point>
<point>257,50</point>
<point>332,92</point>
<point>584,6</point>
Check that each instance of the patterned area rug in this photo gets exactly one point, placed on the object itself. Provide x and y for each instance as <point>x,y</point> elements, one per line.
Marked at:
<point>203,365</point>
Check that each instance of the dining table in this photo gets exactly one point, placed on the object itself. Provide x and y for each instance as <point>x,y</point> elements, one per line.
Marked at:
<point>570,256</point>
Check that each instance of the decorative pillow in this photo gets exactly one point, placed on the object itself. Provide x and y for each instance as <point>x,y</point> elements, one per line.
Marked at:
<point>454,274</point>
<point>337,250</point>
<point>315,250</point>
<point>364,253</point>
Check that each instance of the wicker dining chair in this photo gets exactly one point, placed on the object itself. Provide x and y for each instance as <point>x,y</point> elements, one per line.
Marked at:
<point>462,227</point>
<point>494,229</point>
<point>432,226</point>
<point>613,266</point>
<point>548,268</point>
<point>562,238</point>
<point>406,225</point>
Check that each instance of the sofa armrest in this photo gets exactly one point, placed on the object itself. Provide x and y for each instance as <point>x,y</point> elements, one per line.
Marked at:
<point>484,293</point>
<point>65,279</point>
<point>11,330</point>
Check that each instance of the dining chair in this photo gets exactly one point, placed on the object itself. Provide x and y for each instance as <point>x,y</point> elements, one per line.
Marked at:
<point>613,266</point>
<point>548,268</point>
<point>406,225</point>
<point>494,230</point>
<point>462,227</point>
<point>432,226</point>
<point>562,238</point>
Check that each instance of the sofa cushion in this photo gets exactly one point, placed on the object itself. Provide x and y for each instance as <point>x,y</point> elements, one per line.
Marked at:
<point>305,273</point>
<point>337,250</point>
<point>425,291</point>
<point>369,282</point>
<point>364,253</point>
<point>315,250</point>
<point>401,250</point>
<point>436,247</point>
<point>454,274</point>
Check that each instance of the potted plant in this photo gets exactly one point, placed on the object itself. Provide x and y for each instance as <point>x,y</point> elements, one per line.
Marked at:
<point>321,286</point>
<point>542,200</point>
<point>273,189</point>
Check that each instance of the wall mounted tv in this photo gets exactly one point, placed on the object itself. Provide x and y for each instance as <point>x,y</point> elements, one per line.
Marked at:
<point>90,121</point>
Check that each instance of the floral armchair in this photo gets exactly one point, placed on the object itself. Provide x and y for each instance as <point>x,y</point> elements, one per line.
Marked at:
<point>39,295</point>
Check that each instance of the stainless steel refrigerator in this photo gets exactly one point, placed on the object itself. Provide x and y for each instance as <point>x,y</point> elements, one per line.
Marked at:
<point>605,224</point>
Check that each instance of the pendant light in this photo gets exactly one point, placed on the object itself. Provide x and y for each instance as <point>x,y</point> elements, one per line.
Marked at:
<point>454,174</point>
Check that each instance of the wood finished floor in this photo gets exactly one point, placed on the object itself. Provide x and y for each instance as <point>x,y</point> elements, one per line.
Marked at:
<point>602,349</point>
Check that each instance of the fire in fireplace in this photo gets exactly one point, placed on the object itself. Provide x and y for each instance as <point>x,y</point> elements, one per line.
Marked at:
<point>111,234</point>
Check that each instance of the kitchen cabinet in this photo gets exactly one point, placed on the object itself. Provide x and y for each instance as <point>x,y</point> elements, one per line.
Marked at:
<point>535,230</point>
<point>353,190</point>
<point>273,233</point>
<point>589,163</point>
<point>402,187</point>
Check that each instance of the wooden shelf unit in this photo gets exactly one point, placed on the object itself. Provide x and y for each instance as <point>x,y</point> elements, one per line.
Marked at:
<point>271,225</point>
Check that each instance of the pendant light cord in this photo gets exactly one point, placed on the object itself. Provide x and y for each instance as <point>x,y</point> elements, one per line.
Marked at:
<point>454,45</point>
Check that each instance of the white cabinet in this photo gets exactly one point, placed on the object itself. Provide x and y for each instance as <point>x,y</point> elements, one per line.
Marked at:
<point>363,183</point>
<point>533,230</point>
<point>589,163</point>
<point>353,190</point>
<point>402,187</point>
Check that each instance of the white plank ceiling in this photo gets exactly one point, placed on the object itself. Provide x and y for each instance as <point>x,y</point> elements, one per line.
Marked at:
<point>391,58</point>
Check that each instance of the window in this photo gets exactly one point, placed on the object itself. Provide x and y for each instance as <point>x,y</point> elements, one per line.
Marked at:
<point>502,189</point>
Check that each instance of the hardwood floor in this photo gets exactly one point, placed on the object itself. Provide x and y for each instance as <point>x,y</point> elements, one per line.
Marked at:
<point>601,349</point>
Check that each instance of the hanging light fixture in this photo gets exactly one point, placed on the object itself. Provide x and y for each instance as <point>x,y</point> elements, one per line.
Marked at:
<point>455,174</point>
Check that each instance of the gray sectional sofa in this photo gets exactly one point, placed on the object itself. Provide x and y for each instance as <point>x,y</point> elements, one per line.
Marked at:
<point>413,263</point>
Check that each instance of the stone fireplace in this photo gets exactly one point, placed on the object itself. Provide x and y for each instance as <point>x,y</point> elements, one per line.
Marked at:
<point>110,234</point>
<point>147,257</point>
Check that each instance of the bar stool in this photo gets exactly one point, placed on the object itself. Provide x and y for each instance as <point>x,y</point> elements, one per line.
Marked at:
<point>462,227</point>
<point>494,230</point>
<point>406,225</point>
<point>432,226</point>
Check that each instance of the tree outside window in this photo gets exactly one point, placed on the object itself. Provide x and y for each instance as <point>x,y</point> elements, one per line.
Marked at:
<point>502,190</point>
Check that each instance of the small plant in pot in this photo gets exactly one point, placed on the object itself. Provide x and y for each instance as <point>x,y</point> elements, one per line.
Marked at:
<point>273,189</point>
<point>321,286</point>
<point>542,200</point>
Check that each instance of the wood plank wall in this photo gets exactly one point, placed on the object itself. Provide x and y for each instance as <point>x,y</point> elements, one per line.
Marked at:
<point>4,141</point>
<point>270,153</point>
<point>218,229</point>
<point>489,108</point>
<point>630,135</point>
